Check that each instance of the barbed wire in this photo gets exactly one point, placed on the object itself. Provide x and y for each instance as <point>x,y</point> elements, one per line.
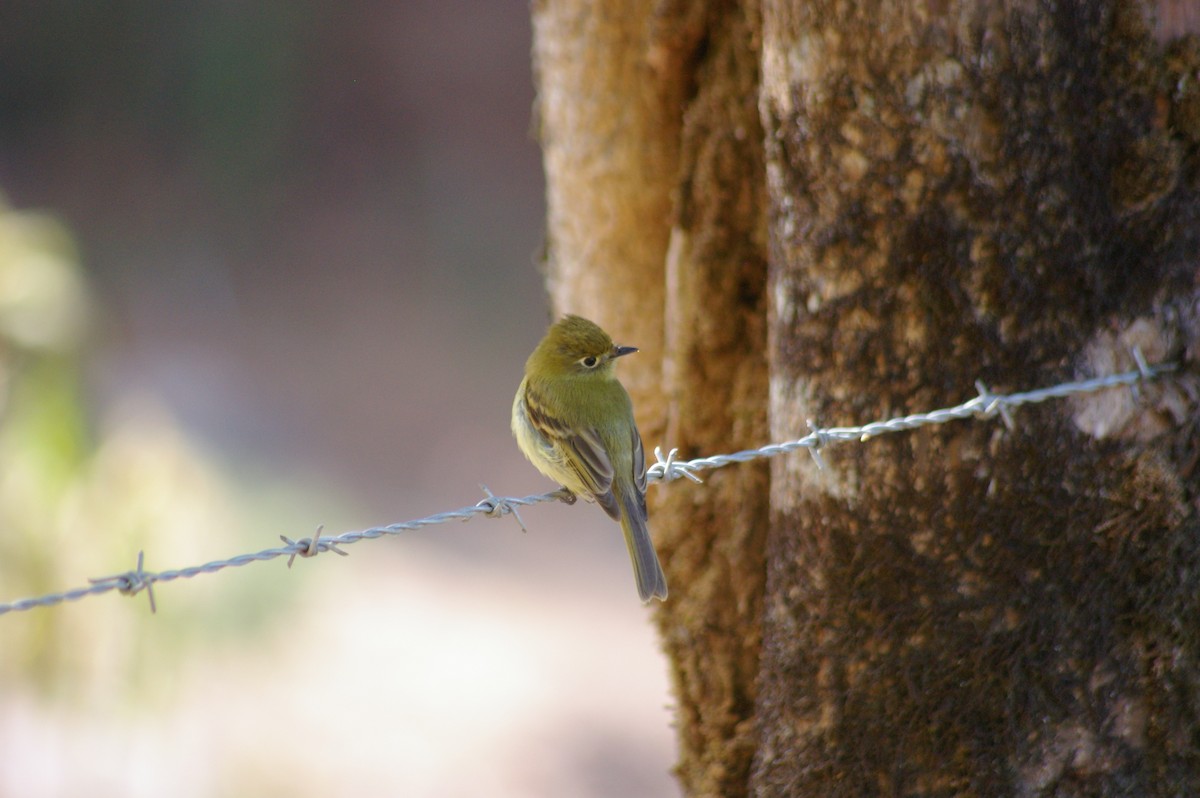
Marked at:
<point>985,405</point>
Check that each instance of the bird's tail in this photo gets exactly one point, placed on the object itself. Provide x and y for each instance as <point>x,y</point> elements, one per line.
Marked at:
<point>651,581</point>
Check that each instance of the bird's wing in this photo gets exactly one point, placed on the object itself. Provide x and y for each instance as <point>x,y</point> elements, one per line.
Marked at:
<point>594,467</point>
<point>584,454</point>
<point>639,469</point>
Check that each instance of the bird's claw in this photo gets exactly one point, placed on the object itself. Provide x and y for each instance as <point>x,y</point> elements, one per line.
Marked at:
<point>564,495</point>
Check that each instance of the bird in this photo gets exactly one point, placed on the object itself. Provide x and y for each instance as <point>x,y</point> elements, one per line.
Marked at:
<point>574,421</point>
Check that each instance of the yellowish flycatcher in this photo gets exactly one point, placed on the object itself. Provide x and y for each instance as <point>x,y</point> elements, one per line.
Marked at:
<point>574,422</point>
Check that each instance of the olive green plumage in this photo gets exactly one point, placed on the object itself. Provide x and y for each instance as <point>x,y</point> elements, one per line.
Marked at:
<point>574,422</point>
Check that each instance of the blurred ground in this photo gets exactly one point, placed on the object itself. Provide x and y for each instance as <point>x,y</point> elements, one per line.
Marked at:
<point>310,234</point>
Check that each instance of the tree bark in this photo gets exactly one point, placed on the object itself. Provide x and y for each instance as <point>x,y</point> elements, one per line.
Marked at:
<point>657,199</point>
<point>845,212</point>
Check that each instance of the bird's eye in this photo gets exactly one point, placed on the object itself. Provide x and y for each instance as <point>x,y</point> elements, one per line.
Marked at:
<point>590,361</point>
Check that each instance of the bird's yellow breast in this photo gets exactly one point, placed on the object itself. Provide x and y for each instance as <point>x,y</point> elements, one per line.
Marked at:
<point>539,450</point>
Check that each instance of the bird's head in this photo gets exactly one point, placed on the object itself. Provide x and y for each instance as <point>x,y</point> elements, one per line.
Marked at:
<point>575,346</point>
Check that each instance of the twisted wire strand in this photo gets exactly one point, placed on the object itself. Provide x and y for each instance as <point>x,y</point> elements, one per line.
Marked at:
<point>985,405</point>
<point>666,469</point>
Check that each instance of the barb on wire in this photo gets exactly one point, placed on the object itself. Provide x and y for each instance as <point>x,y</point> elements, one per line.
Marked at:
<point>130,583</point>
<point>821,440</point>
<point>311,547</point>
<point>498,506</point>
<point>991,405</point>
<point>667,469</point>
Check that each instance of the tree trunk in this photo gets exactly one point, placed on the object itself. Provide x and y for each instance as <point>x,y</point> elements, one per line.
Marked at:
<point>657,207</point>
<point>846,212</point>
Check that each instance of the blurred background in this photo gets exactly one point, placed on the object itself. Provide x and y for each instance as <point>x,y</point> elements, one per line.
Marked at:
<point>266,266</point>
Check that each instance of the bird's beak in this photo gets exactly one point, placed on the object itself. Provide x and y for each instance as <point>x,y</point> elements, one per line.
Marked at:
<point>620,351</point>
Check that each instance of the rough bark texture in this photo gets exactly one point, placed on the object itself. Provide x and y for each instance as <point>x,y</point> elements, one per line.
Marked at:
<point>1005,191</point>
<point>648,114</point>
<point>944,191</point>
<point>716,376</point>
<point>610,82</point>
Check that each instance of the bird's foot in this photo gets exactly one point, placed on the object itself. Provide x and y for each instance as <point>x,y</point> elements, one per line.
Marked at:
<point>565,495</point>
